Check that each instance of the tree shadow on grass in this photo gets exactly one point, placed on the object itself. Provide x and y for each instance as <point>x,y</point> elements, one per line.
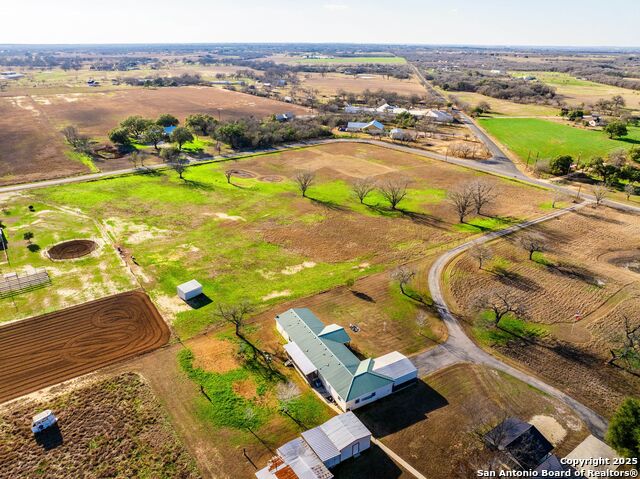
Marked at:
<point>331,205</point>
<point>401,410</point>
<point>197,185</point>
<point>514,280</point>
<point>631,141</point>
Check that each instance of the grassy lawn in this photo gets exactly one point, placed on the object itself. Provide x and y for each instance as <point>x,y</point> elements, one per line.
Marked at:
<point>72,282</point>
<point>502,108</point>
<point>258,240</point>
<point>550,139</point>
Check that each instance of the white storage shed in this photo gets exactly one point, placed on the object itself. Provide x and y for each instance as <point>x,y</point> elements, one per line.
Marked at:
<point>189,290</point>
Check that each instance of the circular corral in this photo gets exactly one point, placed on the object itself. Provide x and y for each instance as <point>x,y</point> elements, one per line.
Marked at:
<point>271,178</point>
<point>243,174</point>
<point>628,259</point>
<point>72,249</point>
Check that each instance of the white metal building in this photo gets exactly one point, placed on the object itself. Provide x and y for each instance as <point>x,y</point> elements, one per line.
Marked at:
<point>338,439</point>
<point>319,449</point>
<point>189,290</point>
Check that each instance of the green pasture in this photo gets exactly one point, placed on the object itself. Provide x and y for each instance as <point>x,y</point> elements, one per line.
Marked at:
<point>526,136</point>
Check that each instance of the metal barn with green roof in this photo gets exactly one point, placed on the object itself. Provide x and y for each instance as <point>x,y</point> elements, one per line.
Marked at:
<point>321,355</point>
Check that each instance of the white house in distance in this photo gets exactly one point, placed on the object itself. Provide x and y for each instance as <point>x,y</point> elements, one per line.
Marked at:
<point>321,356</point>
<point>439,116</point>
<point>319,449</point>
<point>373,127</point>
<point>402,135</point>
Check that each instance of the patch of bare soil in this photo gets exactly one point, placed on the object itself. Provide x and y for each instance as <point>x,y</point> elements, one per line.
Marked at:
<point>214,355</point>
<point>32,149</point>
<point>271,178</point>
<point>246,388</point>
<point>111,428</point>
<point>243,174</point>
<point>95,114</point>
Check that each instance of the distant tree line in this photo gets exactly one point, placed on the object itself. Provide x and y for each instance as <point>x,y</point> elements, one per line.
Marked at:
<point>503,87</point>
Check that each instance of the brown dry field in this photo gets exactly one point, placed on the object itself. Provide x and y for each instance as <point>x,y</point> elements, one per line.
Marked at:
<point>97,113</point>
<point>332,82</point>
<point>45,350</point>
<point>401,237</point>
<point>109,427</point>
<point>433,425</point>
<point>33,149</point>
<point>590,252</point>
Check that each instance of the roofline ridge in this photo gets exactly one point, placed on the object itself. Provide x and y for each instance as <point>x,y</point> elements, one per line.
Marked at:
<point>322,342</point>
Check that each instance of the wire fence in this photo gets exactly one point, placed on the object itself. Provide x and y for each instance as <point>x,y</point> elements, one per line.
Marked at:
<point>13,283</point>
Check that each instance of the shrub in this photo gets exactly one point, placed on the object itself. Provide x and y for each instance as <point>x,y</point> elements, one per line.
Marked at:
<point>560,165</point>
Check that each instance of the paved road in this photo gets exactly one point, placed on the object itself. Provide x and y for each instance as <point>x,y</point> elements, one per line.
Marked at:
<point>459,348</point>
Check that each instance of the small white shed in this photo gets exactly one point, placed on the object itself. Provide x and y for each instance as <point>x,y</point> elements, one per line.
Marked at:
<point>189,290</point>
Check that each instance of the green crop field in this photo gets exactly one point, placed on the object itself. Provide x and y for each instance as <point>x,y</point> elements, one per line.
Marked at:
<point>550,139</point>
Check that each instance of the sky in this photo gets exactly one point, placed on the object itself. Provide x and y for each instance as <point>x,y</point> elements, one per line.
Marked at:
<point>457,22</point>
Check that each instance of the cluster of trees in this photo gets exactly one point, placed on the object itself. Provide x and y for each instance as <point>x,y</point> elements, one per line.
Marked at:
<point>502,87</point>
<point>136,129</point>
<point>252,133</point>
<point>618,165</point>
<point>185,79</point>
<point>472,197</point>
<point>388,70</point>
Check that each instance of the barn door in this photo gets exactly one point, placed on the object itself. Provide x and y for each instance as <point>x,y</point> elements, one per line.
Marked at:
<point>355,449</point>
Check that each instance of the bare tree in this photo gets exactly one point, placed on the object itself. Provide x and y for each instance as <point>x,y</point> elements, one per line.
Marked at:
<point>532,243</point>
<point>304,179</point>
<point>600,192</point>
<point>403,276</point>
<point>462,201</point>
<point>236,314</point>
<point>481,253</point>
<point>363,187</point>
<point>501,303</point>
<point>71,135</point>
<point>558,196</point>
<point>228,173</point>
<point>134,158</point>
<point>629,189</point>
<point>629,349</point>
<point>483,194</point>
<point>394,191</point>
